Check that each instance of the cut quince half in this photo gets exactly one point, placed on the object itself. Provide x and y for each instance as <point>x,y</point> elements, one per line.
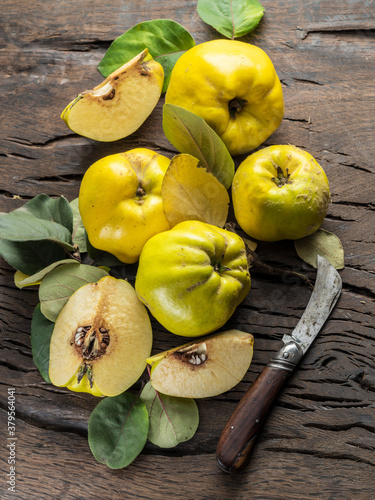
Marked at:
<point>205,368</point>
<point>101,339</point>
<point>120,104</point>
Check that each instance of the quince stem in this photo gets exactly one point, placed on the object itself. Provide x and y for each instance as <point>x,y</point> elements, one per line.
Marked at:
<point>254,260</point>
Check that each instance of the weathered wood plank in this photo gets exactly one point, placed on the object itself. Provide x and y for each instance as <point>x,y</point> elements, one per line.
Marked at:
<point>281,474</point>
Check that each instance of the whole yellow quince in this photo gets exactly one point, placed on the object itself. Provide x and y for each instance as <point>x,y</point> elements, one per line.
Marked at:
<point>232,85</point>
<point>193,277</point>
<point>280,192</point>
<point>120,202</point>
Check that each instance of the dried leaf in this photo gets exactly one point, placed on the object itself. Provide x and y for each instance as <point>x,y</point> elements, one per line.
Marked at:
<point>324,243</point>
<point>189,192</point>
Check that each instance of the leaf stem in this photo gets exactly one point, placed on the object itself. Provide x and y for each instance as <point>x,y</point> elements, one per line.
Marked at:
<point>254,259</point>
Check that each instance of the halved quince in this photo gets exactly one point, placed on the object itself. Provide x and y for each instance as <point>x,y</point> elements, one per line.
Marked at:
<point>205,368</point>
<point>101,339</point>
<point>120,104</point>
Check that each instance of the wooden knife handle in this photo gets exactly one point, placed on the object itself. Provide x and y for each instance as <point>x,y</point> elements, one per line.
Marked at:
<point>239,435</point>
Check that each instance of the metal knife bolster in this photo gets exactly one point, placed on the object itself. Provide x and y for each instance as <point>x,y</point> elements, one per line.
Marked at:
<point>288,357</point>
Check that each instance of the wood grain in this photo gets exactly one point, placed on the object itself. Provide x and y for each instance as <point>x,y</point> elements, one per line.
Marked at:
<point>319,439</point>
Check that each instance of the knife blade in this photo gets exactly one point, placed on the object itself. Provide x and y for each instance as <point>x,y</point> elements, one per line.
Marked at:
<point>239,435</point>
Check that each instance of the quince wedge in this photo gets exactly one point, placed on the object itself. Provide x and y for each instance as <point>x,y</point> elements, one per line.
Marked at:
<point>203,368</point>
<point>101,339</point>
<point>120,104</point>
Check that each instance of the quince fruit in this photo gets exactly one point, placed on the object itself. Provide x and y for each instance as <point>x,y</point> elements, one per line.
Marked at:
<point>101,339</point>
<point>120,104</point>
<point>120,202</point>
<point>280,192</point>
<point>193,277</point>
<point>234,87</point>
<point>205,368</point>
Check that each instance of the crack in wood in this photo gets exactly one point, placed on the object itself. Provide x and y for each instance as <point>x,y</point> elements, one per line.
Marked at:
<point>321,454</point>
<point>49,142</point>
<point>336,29</point>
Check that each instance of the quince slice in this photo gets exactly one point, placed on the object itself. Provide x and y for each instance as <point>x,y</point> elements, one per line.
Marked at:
<point>120,104</point>
<point>203,369</point>
<point>101,339</point>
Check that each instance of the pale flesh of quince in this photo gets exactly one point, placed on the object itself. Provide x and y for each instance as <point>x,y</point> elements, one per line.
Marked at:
<point>120,104</point>
<point>101,339</point>
<point>203,368</point>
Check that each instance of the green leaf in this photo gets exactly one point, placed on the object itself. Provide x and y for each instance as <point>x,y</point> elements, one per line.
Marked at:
<point>30,257</point>
<point>172,420</point>
<point>118,429</point>
<point>22,226</point>
<point>165,40</point>
<point>35,278</point>
<point>79,231</point>
<point>190,134</point>
<point>52,209</point>
<point>231,18</point>
<point>323,243</point>
<point>62,282</point>
<point>102,258</point>
<point>41,333</point>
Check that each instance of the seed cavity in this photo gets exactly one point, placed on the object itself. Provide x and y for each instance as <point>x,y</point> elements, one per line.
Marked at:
<point>194,354</point>
<point>91,342</point>
<point>110,96</point>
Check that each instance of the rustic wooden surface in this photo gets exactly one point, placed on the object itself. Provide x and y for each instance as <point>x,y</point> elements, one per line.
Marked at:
<point>319,441</point>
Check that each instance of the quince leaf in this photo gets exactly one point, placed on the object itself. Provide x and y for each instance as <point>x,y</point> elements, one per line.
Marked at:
<point>36,278</point>
<point>189,192</point>
<point>41,333</point>
<point>50,209</point>
<point>18,226</point>
<point>165,40</point>
<point>30,257</point>
<point>100,257</point>
<point>172,420</point>
<point>231,18</point>
<point>118,429</point>
<point>79,231</point>
<point>189,133</point>
<point>324,243</point>
<point>36,234</point>
<point>58,285</point>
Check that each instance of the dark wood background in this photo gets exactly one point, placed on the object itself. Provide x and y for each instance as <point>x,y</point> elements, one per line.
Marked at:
<point>319,441</point>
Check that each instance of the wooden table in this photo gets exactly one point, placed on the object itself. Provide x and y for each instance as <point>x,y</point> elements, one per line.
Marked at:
<point>319,441</point>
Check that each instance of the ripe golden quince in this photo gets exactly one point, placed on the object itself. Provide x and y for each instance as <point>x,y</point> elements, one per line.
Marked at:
<point>120,202</point>
<point>232,85</point>
<point>280,192</point>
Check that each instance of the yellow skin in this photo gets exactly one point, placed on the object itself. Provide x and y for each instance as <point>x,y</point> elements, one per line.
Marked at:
<point>193,277</point>
<point>120,202</point>
<point>272,209</point>
<point>232,85</point>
